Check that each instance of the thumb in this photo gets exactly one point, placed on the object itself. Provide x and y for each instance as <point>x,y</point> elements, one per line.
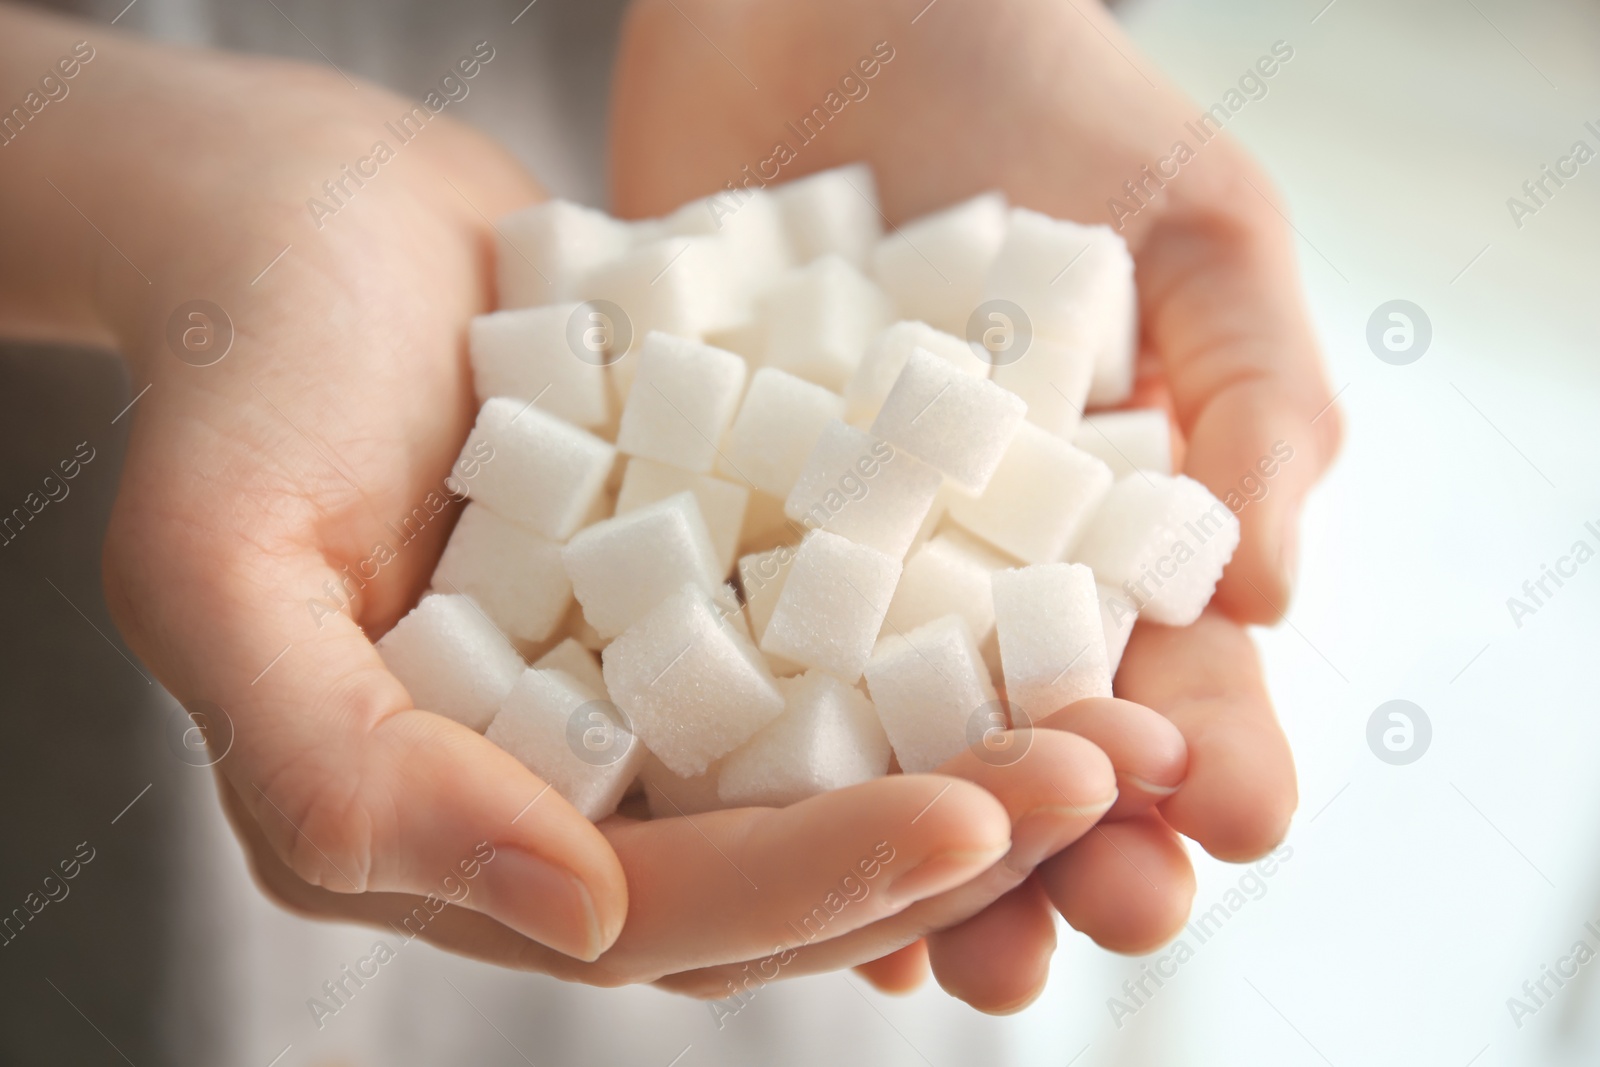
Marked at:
<point>355,789</point>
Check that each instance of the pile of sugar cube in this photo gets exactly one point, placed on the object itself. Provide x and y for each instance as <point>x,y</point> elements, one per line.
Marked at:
<point>775,502</point>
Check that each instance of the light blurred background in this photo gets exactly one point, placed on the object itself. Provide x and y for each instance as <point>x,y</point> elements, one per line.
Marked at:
<point>1414,900</point>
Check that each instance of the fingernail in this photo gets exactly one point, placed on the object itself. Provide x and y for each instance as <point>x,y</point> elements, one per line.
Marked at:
<point>542,901</point>
<point>1148,787</point>
<point>1048,829</point>
<point>940,872</point>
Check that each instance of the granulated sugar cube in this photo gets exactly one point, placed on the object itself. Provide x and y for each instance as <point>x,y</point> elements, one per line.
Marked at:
<point>955,423</point>
<point>1039,499</point>
<point>1052,647</point>
<point>534,468</point>
<point>928,685</point>
<point>526,354</point>
<point>624,566</point>
<point>1053,379</point>
<point>1117,616</point>
<point>934,267</point>
<point>1163,541</point>
<point>670,795</point>
<point>748,221</point>
<point>694,688</point>
<point>544,252</point>
<point>947,576</point>
<point>860,487</point>
<point>828,737</point>
<point>722,503</point>
<point>777,426</point>
<point>683,399</point>
<point>832,605</point>
<point>1128,440</point>
<point>571,657</point>
<point>678,286</point>
<point>885,357</point>
<point>1075,283</point>
<point>819,318</point>
<point>571,737</point>
<point>725,598</point>
<point>513,574</point>
<point>452,659</point>
<point>833,212</point>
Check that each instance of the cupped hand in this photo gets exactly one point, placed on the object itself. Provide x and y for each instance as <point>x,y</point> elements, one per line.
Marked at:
<point>1050,103</point>
<point>283,503</point>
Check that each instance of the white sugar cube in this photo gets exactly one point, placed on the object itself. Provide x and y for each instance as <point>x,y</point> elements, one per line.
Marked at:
<point>1052,647</point>
<point>452,659</point>
<point>749,222</point>
<point>725,598</point>
<point>858,486</point>
<point>1053,379</point>
<point>623,567</point>
<point>1128,440</point>
<point>831,605</point>
<point>819,318</point>
<point>572,658</point>
<point>527,354</point>
<point>694,688</point>
<point>833,212</point>
<point>684,397</point>
<point>544,252</point>
<point>828,737</point>
<point>722,504</point>
<point>1117,616</point>
<point>777,426</point>
<point>947,576</point>
<point>1075,283</point>
<point>1040,497</point>
<point>535,469</point>
<point>571,737</point>
<point>934,267</point>
<point>955,423</point>
<point>1163,541</point>
<point>928,685</point>
<point>885,357</point>
<point>512,573</point>
<point>678,286</point>
<point>670,795</point>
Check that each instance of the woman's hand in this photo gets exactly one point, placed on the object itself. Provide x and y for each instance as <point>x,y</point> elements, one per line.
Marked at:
<point>1050,103</point>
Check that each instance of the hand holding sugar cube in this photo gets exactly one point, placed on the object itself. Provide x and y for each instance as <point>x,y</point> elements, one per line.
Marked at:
<point>953,513</point>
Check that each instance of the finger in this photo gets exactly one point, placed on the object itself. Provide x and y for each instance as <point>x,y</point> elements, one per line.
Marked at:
<point>733,885</point>
<point>1146,750</point>
<point>901,971</point>
<point>1239,791</point>
<point>1053,795</point>
<point>998,960</point>
<point>1223,310</point>
<point>1128,885</point>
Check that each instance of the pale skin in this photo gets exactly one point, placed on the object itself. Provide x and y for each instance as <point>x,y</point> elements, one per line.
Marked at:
<point>249,484</point>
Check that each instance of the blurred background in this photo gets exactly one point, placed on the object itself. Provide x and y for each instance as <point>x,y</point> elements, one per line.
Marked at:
<point>1440,860</point>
